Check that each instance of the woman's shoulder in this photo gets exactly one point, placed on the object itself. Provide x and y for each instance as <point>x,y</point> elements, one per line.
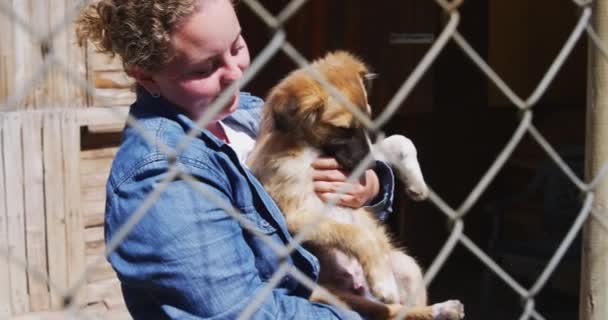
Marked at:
<point>149,148</point>
<point>247,117</point>
<point>248,101</point>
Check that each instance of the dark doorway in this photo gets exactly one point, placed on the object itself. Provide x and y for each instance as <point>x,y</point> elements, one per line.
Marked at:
<point>459,121</point>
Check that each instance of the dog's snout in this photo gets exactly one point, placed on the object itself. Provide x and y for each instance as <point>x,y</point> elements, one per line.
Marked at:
<point>349,152</point>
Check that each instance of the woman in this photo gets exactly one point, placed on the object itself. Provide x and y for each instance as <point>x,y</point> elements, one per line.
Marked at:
<point>187,257</point>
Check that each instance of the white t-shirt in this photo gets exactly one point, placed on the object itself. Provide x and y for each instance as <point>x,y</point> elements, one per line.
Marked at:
<point>240,142</point>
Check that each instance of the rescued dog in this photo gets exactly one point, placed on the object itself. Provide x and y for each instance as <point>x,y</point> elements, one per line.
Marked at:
<point>302,121</point>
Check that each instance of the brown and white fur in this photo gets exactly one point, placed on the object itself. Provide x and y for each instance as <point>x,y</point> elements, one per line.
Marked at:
<point>359,264</point>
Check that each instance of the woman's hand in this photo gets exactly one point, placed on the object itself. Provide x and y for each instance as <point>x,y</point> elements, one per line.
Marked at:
<point>329,177</point>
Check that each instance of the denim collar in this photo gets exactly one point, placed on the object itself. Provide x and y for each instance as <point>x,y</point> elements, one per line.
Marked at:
<point>147,106</point>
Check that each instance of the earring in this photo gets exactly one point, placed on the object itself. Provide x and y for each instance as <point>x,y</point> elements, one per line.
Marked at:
<point>155,95</point>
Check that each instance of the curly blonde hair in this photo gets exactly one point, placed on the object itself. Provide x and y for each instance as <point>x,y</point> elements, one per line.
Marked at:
<point>138,31</point>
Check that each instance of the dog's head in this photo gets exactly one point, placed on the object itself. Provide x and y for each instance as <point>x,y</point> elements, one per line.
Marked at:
<point>302,108</point>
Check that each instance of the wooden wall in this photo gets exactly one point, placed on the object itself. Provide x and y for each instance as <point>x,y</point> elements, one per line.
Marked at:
<point>65,194</point>
<point>51,215</point>
<point>103,287</point>
<point>24,50</point>
<point>34,68</point>
<point>51,192</point>
<point>112,85</point>
<point>41,219</point>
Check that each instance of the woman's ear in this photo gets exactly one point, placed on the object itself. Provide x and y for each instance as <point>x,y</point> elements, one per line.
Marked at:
<point>145,80</point>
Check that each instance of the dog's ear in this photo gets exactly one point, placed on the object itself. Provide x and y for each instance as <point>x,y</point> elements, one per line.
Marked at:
<point>291,115</point>
<point>284,113</point>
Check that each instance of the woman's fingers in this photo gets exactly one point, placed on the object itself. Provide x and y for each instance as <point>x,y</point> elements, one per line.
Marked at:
<point>325,163</point>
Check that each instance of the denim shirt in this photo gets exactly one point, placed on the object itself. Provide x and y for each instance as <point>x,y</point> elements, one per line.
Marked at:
<point>187,258</point>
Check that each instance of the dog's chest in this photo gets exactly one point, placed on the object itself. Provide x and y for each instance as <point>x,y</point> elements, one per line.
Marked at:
<point>301,186</point>
<point>343,215</point>
<point>335,212</point>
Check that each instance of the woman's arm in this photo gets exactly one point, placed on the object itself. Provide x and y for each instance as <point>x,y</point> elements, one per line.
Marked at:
<point>382,204</point>
<point>193,259</point>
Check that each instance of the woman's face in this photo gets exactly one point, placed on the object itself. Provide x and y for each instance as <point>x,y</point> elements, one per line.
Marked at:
<point>210,55</point>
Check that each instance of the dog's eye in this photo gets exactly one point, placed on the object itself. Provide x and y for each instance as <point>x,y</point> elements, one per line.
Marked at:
<point>345,132</point>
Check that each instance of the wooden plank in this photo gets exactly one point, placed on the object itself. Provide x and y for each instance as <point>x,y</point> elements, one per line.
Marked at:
<point>99,61</point>
<point>92,180</point>
<point>118,314</point>
<point>95,193</point>
<point>99,269</point>
<point>21,55</point>
<point>113,97</point>
<point>33,53</point>
<point>24,55</point>
<point>15,218</point>
<point>95,247</point>
<point>114,301</point>
<point>7,83</point>
<point>55,206</point>
<point>77,56</point>
<point>112,85</point>
<point>106,128</point>
<point>109,152</point>
<point>63,91</point>
<point>42,315</point>
<point>95,219</point>
<point>93,207</point>
<point>103,116</point>
<point>95,166</point>
<point>93,234</point>
<point>56,81</point>
<point>95,311</point>
<point>74,221</point>
<point>112,88</point>
<point>35,228</point>
<point>99,290</point>
<point>5,290</point>
<point>113,79</point>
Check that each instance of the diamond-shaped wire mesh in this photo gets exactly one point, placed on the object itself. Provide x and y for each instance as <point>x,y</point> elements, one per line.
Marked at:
<point>279,42</point>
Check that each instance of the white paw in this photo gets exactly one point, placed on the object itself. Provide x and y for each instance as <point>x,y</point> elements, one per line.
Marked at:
<point>449,310</point>
<point>417,192</point>
<point>401,153</point>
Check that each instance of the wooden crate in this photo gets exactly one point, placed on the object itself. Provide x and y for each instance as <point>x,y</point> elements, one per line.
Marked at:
<point>51,214</point>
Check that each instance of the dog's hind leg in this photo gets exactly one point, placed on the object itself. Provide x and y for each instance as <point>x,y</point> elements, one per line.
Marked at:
<point>401,153</point>
<point>412,290</point>
<point>372,309</point>
<point>354,240</point>
<point>448,310</point>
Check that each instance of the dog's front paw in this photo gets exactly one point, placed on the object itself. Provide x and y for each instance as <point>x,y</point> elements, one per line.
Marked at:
<point>448,310</point>
<point>417,192</point>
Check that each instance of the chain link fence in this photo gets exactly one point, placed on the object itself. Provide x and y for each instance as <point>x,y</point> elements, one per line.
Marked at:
<point>280,43</point>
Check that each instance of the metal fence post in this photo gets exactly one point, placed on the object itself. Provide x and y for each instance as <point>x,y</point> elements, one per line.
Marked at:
<point>594,271</point>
